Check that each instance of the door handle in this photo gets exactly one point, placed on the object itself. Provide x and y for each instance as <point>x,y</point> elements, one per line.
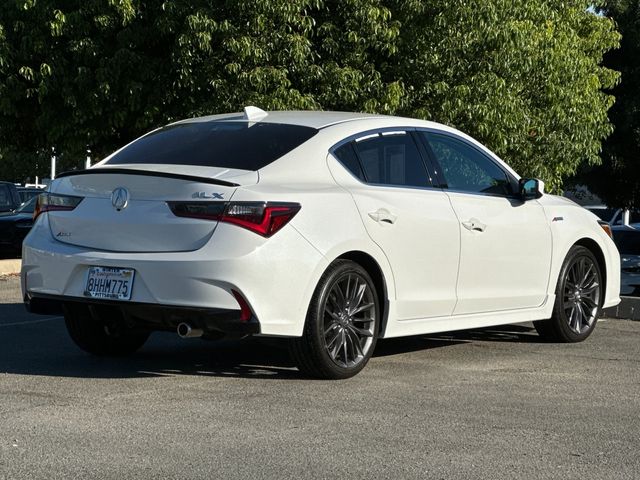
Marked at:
<point>382,215</point>
<point>474,225</point>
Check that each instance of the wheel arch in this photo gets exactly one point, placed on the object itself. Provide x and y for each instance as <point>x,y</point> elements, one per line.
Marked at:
<point>374,270</point>
<point>594,248</point>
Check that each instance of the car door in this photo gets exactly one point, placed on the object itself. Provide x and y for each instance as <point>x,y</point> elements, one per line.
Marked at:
<point>412,223</point>
<point>505,249</point>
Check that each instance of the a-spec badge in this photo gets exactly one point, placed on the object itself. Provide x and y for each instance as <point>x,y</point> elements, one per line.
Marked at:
<point>120,198</point>
<point>214,195</point>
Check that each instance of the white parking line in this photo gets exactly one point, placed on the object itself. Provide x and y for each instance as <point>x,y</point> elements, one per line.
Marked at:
<point>29,322</point>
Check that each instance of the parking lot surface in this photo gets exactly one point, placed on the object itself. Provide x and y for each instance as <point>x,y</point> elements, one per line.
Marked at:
<point>494,403</point>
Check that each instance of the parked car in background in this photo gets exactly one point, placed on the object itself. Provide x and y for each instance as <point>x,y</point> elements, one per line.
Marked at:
<point>331,228</point>
<point>27,194</point>
<point>615,216</point>
<point>627,239</point>
<point>9,197</point>
<point>15,225</point>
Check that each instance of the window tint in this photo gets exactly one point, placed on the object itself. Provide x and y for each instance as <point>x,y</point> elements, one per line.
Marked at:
<point>28,207</point>
<point>5,197</point>
<point>348,157</point>
<point>392,160</point>
<point>26,195</point>
<point>466,168</point>
<point>242,145</point>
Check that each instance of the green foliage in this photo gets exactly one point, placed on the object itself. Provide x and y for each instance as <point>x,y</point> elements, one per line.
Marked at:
<point>617,180</point>
<point>522,76</point>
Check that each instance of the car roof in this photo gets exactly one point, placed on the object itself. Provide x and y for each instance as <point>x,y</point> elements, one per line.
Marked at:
<point>305,118</point>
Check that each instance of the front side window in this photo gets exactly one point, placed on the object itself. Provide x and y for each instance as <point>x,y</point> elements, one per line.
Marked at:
<point>391,159</point>
<point>467,169</point>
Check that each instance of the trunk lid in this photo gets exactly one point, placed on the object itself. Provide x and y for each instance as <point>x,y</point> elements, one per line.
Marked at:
<point>145,223</point>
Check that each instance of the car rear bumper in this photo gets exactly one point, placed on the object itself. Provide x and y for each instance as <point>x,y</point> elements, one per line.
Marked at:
<point>212,321</point>
<point>276,277</point>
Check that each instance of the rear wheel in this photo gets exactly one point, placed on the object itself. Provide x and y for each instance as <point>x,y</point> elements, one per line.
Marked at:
<point>99,333</point>
<point>578,299</point>
<point>342,324</point>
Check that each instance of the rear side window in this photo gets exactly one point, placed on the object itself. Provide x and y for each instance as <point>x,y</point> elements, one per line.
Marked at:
<point>347,155</point>
<point>392,159</point>
<point>241,145</point>
<point>5,197</point>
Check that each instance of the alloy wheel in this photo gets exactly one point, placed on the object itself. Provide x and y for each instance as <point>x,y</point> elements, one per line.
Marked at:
<point>581,294</point>
<point>349,320</point>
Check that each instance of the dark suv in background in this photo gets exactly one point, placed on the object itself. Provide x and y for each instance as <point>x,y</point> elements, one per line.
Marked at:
<point>9,197</point>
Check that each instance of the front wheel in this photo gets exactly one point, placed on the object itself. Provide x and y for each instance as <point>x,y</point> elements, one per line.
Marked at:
<point>578,299</point>
<point>342,324</point>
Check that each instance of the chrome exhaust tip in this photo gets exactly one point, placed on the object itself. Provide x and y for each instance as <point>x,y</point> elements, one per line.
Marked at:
<point>186,331</point>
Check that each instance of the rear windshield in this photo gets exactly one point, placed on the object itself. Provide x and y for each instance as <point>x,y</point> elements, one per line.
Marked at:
<point>627,241</point>
<point>241,145</point>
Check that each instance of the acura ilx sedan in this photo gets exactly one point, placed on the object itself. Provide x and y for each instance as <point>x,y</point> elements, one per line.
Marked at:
<point>334,229</point>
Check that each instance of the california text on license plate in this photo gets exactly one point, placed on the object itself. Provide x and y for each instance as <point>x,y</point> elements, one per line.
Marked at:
<point>108,282</point>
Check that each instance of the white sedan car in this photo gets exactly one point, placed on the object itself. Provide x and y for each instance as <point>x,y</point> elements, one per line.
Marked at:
<point>334,229</point>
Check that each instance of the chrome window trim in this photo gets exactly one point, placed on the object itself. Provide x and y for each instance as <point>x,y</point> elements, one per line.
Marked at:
<point>367,134</point>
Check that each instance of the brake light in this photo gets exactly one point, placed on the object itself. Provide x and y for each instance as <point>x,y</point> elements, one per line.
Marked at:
<point>263,218</point>
<point>49,202</point>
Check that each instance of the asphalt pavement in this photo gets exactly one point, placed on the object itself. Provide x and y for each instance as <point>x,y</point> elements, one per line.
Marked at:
<point>493,403</point>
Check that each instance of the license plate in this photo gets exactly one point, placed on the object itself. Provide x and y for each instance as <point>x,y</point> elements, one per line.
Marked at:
<point>110,283</point>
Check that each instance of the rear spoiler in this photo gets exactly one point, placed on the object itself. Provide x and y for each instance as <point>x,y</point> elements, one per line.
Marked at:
<point>147,173</point>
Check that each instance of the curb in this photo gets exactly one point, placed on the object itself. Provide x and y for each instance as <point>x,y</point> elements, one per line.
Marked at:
<point>628,309</point>
<point>10,267</point>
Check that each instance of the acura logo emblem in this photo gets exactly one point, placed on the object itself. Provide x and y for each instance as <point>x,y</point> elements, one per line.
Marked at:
<point>120,198</point>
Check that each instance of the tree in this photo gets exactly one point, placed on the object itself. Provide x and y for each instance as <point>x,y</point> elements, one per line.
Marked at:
<point>617,180</point>
<point>522,76</point>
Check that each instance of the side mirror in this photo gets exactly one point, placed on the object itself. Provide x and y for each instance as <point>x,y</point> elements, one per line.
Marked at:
<point>531,188</point>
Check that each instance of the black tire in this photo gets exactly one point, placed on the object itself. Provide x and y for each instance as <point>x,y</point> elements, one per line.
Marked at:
<point>315,352</point>
<point>579,295</point>
<point>99,335</point>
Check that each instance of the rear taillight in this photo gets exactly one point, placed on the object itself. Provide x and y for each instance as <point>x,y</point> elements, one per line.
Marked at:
<point>49,202</point>
<point>263,218</point>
